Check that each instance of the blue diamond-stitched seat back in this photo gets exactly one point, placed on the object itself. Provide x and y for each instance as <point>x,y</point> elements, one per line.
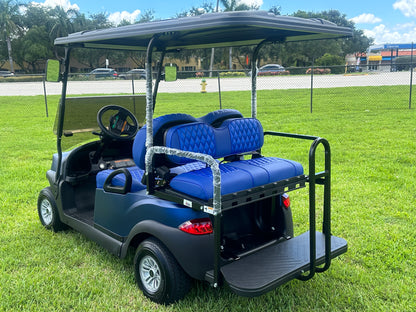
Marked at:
<point>246,135</point>
<point>234,136</point>
<point>193,137</point>
<point>160,124</point>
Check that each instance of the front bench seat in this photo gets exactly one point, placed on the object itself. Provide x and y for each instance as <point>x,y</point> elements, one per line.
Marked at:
<point>120,179</point>
<point>160,124</point>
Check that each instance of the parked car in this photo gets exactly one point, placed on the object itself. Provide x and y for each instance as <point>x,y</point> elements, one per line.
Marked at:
<point>134,73</point>
<point>270,69</point>
<point>6,73</point>
<point>102,73</point>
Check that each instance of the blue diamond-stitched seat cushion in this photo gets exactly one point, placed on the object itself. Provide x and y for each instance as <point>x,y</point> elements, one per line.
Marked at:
<point>236,176</point>
<point>198,183</point>
<point>196,165</point>
<point>137,174</point>
<point>266,170</point>
<point>120,179</point>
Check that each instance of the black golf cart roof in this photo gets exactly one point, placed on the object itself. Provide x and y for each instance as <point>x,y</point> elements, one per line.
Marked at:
<point>224,29</point>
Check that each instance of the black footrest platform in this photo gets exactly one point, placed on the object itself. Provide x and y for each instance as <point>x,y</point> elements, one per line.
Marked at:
<point>277,264</point>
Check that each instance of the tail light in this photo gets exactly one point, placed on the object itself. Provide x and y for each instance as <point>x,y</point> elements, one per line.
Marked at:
<point>197,226</point>
<point>286,200</point>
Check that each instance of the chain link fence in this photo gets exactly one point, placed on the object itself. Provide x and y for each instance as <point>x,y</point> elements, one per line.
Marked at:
<point>313,88</point>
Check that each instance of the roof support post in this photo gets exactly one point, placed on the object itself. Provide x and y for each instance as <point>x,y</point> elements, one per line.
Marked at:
<point>159,73</point>
<point>59,130</point>
<point>149,94</point>
<point>254,79</point>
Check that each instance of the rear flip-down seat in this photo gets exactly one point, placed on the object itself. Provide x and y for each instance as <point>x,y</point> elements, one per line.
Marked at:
<point>236,136</point>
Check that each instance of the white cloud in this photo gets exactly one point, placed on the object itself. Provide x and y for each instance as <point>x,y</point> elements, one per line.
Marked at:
<point>366,18</point>
<point>117,17</point>
<point>251,3</point>
<point>407,7</point>
<point>65,4</point>
<point>401,33</point>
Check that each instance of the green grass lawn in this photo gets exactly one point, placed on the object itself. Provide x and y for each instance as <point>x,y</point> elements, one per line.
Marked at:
<point>373,143</point>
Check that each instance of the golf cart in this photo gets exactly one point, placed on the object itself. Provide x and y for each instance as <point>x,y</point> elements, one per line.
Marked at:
<point>192,194</point>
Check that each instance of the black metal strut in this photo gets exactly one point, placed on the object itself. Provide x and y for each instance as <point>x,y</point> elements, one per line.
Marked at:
<point>62,113</point>
<point>321,178</point>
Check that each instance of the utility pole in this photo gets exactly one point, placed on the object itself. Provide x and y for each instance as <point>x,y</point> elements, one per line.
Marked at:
<point>213,50</point>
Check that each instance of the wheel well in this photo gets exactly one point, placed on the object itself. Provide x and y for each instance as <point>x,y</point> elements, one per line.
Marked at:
<point>137,239</point>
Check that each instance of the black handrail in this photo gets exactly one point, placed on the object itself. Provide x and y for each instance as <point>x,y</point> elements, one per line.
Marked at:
<point>313,179</point>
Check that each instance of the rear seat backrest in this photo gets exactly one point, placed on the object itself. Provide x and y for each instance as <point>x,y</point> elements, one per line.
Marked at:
<point>234,136</point>
<point>246,134</point>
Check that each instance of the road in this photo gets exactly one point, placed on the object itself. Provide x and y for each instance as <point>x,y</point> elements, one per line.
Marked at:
<point>193,85</point>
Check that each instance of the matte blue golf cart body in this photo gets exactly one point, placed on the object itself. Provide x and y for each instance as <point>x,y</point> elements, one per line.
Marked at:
<point>193,194</point>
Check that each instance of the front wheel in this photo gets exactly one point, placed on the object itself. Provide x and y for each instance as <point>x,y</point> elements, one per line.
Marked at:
<point>158,274</point>
<point>48,211</point>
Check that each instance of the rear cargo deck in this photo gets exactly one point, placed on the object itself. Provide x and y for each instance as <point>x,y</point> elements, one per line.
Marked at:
<point>277,264</point>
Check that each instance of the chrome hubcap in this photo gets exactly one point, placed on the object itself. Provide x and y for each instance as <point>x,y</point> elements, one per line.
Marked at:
<point>150,274</point>
<point>46,211</point>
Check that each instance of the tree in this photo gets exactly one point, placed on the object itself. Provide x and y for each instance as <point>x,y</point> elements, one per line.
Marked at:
<point>93,58</point>
<point>23,31</point>
<point>357,43</point>
<point>301,54</point>
<point>9,24</point>
<point>235,5</point>
<point>62,22</point>
<point>36,15</point>
<point>275,9</point>
<point>203,54</point>
<point>34,48</point>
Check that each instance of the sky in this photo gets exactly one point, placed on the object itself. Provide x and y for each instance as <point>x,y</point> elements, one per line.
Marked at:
<point>387,21</point>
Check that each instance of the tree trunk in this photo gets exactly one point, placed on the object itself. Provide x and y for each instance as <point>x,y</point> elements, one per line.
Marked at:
<point>9,50</point>
<point>230,58</point>
<point>211,62</point>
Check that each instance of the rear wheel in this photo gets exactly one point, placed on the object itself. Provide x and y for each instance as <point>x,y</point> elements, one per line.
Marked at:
<point>48,211</point>
<point>158,274</point>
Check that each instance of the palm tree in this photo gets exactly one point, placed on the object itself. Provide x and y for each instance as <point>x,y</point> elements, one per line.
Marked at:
<point>235,5</point>
<point>62,21</point>
<point>9,15</point>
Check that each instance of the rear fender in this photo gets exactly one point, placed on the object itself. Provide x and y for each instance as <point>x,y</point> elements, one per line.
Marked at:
<point>194,253</point>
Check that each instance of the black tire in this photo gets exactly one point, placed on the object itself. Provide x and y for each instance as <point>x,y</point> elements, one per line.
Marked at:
<point>48,211</point>
<point>158,274</point>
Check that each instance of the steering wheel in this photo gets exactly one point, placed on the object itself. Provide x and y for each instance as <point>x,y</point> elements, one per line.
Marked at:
<point>122,124</point>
